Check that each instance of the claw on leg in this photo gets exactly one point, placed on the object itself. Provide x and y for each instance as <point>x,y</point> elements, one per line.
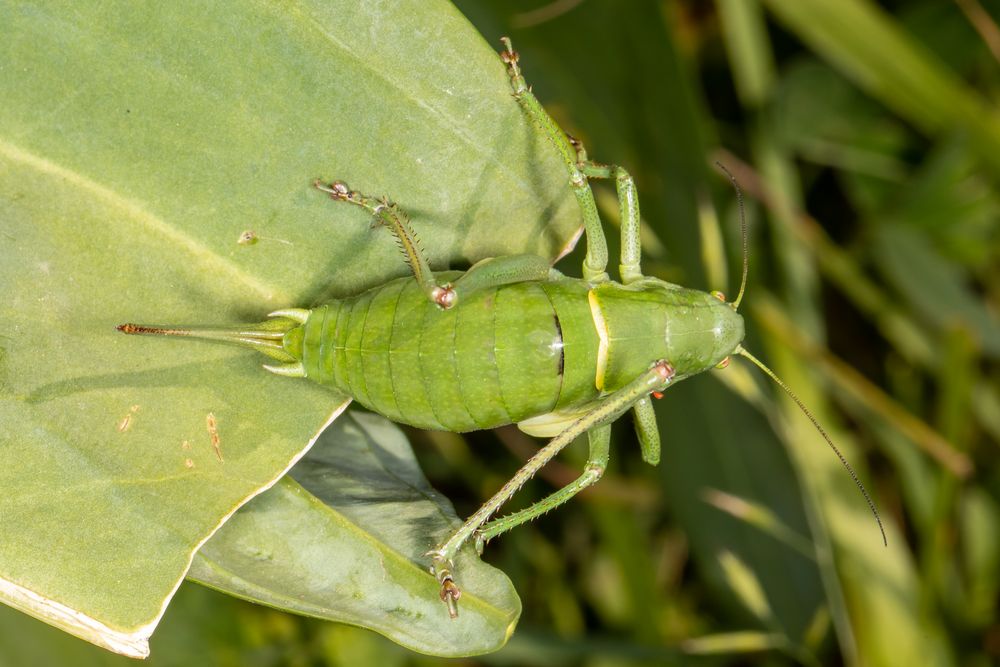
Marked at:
<point>508,55</point>
<point>450,592</point>
<point>337,190</point>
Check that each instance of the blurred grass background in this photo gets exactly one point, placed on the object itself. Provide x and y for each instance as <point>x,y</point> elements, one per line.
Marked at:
<point>866,141</point>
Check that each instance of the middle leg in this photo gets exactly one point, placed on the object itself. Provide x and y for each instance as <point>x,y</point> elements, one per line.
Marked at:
<point>628,208</point>
<point>596,262</point>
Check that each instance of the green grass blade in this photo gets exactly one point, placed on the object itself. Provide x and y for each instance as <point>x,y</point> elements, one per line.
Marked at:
<point>863,42</point>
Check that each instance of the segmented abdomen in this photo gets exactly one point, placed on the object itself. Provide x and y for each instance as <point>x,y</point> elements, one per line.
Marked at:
<point>496,358</point>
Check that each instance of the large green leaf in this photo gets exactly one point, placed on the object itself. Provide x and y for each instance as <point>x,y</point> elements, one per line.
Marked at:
<point>348,545</point>
<point>137,142</point>
<point>936,288</point>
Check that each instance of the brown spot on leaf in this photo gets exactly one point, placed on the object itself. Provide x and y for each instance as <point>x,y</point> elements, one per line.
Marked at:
<point>213,434</point>
<point>126,422</point>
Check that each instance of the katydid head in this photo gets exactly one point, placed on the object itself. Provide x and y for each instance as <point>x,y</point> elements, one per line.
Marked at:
<point>741,351</point>
<point>710,331</point>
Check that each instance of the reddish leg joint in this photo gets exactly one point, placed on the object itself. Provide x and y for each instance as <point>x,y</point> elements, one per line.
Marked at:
<point>444,296</point>
<point>665,371</point>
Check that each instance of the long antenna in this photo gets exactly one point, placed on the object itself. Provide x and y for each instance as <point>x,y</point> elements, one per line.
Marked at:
<point>847,466</point>
<point>743,232</point>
